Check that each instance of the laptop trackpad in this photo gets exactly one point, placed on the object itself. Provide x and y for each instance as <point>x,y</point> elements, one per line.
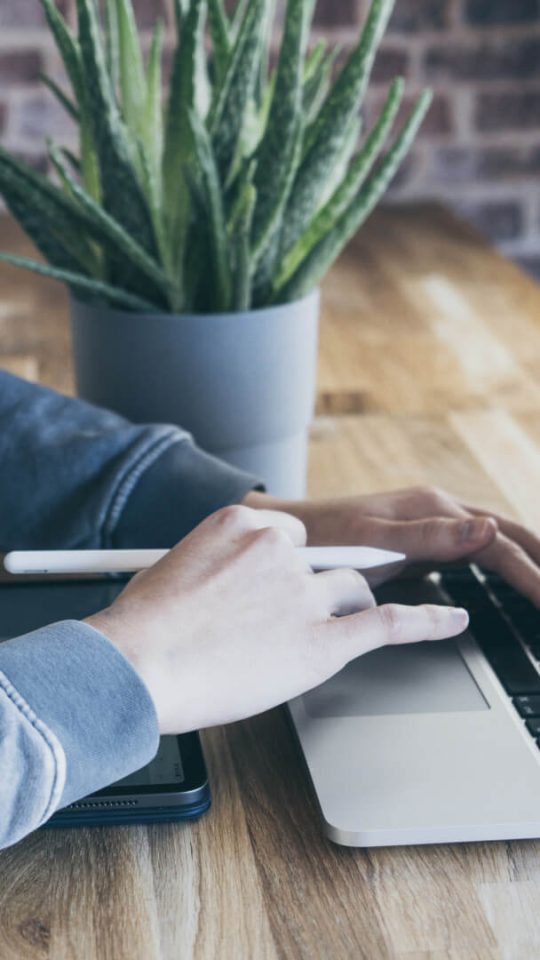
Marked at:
<point>419,678</point>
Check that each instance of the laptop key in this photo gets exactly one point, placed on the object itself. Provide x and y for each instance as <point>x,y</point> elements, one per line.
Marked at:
<point>533,726</point>
<point>528,706</point>
<point>514,669</point>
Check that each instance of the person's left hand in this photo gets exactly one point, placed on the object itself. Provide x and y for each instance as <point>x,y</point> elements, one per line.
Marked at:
<point>428,525</point>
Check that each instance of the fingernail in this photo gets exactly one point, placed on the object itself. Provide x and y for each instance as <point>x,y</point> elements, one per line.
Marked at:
<point>474,529</point>
<point>460,616</point>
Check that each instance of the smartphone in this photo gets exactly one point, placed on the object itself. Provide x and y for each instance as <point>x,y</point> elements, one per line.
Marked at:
<point>174,785</point>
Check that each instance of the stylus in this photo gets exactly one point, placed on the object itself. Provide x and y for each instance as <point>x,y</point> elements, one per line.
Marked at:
<point>130,561</point>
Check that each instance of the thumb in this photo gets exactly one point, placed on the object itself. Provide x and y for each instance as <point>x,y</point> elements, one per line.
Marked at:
<point>439,539</point>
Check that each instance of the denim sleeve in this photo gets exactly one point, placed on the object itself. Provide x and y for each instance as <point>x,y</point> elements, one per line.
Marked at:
<point>74,717</point>
<point>75,476</point>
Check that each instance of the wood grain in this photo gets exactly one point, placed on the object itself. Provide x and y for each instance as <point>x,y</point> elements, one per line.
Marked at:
<point>429,373</point>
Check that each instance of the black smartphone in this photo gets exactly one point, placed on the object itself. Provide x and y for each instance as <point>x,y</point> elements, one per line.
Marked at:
<point>174,785</point>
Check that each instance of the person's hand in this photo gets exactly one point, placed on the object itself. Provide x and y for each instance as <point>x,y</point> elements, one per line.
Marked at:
<point>232,621</point>
<point>427,524</point>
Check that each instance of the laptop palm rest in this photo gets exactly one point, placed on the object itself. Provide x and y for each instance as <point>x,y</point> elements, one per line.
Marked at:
<point>418,678</point>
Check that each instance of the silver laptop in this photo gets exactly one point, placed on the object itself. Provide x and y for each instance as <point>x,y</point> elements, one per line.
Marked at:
<point>436,742</point>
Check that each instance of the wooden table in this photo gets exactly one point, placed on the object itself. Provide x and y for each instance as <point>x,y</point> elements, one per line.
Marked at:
<point>429,373</point>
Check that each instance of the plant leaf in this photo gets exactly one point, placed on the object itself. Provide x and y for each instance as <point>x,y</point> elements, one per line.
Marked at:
<point>240,243</point>
<point>228,113</point>
<point>152,126</point>
<point>62,97</point>
<point>70,52</point>
<point>112,43</point>
<point>45,213</point>
<point>179,147</point>
<point>111,234</point>
<point>317,85</point>
<point>72,159</point>
<point>208,178</point>
<point>265,251</point>
<point>237,18</point>
<point>278,151</point>
<point>131,70</point>
<point>221,41</point>
<point>326,138</point>
<point>123,197</point>
<point>67,47</point>
<point>330,246</point>
<point>78,282</point>
<point>359,169</point>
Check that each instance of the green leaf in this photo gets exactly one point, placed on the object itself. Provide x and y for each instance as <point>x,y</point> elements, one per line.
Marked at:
<point>179,147</point>
<point>112,43</point>
<point>221,41</point>
<point>67,47</point>
<point>152,188</point>
<point>45,213</point>
<point>131,70</point>
<point>82,284</point>
<point>111,234</point>
<point>265,250</point>
<point>330,246</point>
<point>239,235</point>
<point>90,173</point>
<point>62,97</point>
<point>314,60</point>
<point>152,126</point>
<point>317,85</point>
<point>326,138</point>
<point>238,16</point>
<point>123,197</point>
<point>206,175</point>
<point>72,159</point>
<point>228,113</point>
<point>70,52</point>
<point>359,169</point>
<point>278,151</point>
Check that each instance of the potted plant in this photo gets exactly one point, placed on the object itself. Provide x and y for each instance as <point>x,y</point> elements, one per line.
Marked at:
<point>193,230</point>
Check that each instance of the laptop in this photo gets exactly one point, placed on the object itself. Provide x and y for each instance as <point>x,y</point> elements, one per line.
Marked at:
<point>434,742</point>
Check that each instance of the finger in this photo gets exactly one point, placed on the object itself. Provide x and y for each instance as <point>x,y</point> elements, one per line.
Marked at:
<point>511,562</point>
<point>438,539</point>
<point>344,591</point>
<point>527,539</point>
<point>292,526</point>
<point>395,624</point>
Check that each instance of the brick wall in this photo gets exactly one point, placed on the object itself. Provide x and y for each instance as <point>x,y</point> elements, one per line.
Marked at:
<point>479,149</point>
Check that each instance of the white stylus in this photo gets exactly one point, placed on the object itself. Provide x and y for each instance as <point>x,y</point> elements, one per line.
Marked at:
<point>130,561</point>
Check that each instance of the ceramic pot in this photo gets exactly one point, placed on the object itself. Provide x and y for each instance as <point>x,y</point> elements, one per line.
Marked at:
<point>242,383</point>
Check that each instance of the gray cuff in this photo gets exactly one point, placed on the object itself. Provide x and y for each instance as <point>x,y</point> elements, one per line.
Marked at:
<point>82,688</point>
<point>182,487</point>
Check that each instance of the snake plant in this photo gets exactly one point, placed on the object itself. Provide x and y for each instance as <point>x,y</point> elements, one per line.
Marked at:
<point>236,190</point>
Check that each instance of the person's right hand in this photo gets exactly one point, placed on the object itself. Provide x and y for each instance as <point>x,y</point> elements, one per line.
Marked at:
<point>232,622</point>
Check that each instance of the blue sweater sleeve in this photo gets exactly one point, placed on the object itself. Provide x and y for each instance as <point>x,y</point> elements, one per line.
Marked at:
<point>74,717</point>
<point>75,476</point>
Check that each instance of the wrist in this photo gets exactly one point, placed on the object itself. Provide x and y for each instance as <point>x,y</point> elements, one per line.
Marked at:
<point>118,631</point>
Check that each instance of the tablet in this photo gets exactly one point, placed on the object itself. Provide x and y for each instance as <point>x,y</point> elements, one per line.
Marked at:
<point>174,785</point>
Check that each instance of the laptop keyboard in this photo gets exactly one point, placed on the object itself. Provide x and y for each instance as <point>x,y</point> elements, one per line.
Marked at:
<point>506,626</point>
